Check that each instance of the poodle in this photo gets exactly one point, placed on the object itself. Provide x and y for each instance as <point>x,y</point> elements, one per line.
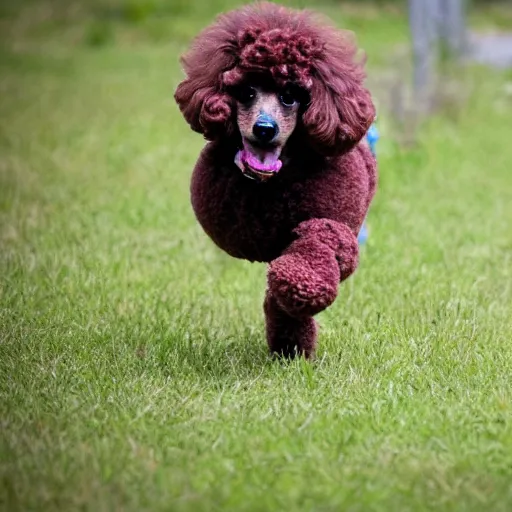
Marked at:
<point>287,176</point>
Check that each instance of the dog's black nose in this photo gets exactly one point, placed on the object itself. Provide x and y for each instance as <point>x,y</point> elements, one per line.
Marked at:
<point>265,130</point>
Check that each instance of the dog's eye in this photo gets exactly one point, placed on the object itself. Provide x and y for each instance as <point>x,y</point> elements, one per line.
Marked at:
<point>245,94</point>
<point>288,99</point>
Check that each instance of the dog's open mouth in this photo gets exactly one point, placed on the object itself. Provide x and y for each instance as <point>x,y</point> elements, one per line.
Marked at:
<point>259,163</point>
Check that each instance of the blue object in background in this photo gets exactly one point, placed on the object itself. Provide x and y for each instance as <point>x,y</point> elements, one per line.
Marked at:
<point>372,137</point>
<point>363,234</point>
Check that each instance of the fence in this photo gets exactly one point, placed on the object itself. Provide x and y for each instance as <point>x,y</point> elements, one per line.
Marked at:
<point>437,27</point>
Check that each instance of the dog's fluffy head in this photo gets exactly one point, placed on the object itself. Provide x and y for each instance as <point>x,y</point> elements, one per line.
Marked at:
<point>288,47</point>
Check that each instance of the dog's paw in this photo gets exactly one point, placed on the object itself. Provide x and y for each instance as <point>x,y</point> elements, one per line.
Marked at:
<point>302,288</point>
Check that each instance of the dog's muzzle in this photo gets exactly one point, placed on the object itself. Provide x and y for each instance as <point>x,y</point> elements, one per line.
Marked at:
<point>259,165</point>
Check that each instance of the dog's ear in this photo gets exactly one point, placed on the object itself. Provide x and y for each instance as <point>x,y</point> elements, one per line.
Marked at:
<point>205,105</point>
<point>205,108</point>
<point>340,110</point>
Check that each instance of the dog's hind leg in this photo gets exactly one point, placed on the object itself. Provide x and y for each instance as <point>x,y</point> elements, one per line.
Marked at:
<point>288,336</point>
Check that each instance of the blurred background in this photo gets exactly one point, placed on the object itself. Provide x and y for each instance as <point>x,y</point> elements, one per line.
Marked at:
<point>133,364</point>
<point>412,45</point>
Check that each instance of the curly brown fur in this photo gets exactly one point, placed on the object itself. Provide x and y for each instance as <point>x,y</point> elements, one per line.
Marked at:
<point>304,218</point>
<point>289,45</point>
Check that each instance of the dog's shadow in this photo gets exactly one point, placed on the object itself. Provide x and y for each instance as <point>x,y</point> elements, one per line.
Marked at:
<point>207,357</point>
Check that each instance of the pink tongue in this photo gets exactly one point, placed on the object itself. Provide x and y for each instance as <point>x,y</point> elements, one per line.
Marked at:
<point>267,161</point>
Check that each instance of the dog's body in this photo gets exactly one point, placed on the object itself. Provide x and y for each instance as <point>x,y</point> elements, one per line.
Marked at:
<point>255,221</point>
<point>282,102</point>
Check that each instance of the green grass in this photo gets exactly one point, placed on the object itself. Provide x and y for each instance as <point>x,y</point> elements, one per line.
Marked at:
<point>133,368</point>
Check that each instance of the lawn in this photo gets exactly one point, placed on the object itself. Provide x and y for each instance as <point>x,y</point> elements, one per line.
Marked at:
<point>134,373</point>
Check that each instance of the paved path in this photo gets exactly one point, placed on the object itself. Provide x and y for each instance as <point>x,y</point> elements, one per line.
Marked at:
<point>492,49</point>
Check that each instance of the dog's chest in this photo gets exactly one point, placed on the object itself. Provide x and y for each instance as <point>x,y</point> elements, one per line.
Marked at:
<point>248,220</point>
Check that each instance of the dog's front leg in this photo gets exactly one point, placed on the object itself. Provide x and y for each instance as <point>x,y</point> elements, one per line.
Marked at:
<point>304,279</point>
<point>288,336</point>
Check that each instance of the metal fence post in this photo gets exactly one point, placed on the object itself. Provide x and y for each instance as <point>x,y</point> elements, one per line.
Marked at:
<point>421,32</point>
<point>434,24</point>
<point>453,29</point>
